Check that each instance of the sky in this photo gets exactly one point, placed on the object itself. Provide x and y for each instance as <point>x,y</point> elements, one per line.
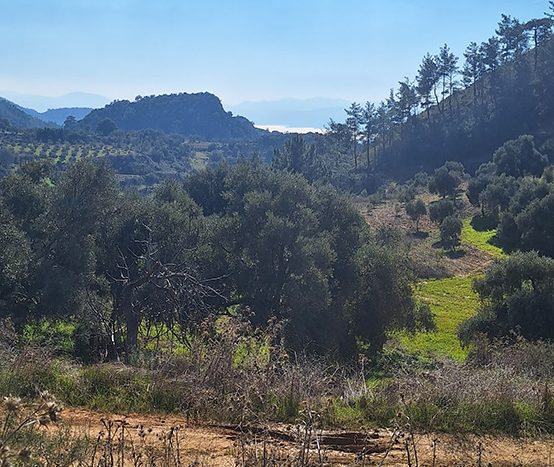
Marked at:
<point>240,50</point>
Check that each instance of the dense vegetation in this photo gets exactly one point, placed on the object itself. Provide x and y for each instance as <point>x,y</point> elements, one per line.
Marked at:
<point>246,240</point>
<point>504,92</point>
<point>168,231</point>
<point>140,158</point>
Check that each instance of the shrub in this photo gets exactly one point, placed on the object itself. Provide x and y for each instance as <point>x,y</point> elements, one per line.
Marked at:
<point>519,157</point>
<point>416,209</point>
<point>451,229</point>
<point>517,294</point>
<point>439,210</point>
<point>446,179</point>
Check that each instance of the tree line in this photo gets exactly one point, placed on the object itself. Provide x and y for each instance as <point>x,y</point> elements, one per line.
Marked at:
<point>499,92</point>
<point>248,240</point>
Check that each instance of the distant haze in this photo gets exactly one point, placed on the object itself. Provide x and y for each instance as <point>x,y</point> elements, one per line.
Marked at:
<point>290,129</point>
<point>285,115</point>
<point>43,103</point>
<point>305,114</point>
<point>244,50</point>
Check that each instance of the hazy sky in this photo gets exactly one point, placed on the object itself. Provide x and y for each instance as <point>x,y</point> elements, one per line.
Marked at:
<point>241,50</point>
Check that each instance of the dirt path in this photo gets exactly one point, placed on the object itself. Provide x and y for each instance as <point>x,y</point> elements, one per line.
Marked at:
<point>219,445</point>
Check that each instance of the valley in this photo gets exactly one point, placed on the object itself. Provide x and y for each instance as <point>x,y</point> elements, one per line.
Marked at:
<point>180,287</point>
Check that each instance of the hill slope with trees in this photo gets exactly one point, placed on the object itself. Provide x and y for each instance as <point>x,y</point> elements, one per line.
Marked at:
<point>456,110</point>
<point>59,116</point>
<point>200,114</point>
<point>13,115</point>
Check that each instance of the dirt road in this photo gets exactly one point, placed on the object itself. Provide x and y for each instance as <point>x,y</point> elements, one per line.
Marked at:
<point>219,445</point>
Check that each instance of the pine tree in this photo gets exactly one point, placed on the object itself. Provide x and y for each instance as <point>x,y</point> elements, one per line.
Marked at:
<point>490,54</point>
<point>447,67</point>
<point>513,37</point>
<point>406,99</point>
<point>368,122</point>
<point>353,122</point>
<point>541,31</point>
<point>382,123</point>
<point>473,68</point>
<point>394,109</point>
<point>427,78</point>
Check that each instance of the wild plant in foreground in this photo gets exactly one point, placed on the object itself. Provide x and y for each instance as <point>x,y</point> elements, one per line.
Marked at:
<point>118,444</point>
<point>19,418</point>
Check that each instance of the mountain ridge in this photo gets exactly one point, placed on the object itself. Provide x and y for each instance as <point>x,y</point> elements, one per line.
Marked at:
<point>195,114</point>
<point>17,117</point>
<point>59,115</point>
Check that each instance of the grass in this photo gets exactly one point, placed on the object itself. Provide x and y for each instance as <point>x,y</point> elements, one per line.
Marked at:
<point>480,239</point>
<point>452,301</point>
<point>199,161</point>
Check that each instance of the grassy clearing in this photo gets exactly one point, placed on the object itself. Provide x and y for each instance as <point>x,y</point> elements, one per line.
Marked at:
<point>452,301</point>
<point>480,240</point>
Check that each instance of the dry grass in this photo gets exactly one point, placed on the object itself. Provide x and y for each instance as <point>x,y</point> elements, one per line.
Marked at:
<point>498,390</point>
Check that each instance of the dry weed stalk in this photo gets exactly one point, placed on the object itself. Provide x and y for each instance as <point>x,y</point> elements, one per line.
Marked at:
<point>118,445</point>
<point>19,418</point>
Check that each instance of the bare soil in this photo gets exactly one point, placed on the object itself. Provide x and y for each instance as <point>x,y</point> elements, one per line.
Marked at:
<point>226,445</point>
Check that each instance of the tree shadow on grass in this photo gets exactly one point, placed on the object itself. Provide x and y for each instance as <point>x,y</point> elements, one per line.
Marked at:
<point>483,223</point>
<point>455,254</point>
<point>420,235</point>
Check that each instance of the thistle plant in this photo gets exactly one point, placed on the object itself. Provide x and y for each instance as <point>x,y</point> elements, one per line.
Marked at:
<point>20,417</point>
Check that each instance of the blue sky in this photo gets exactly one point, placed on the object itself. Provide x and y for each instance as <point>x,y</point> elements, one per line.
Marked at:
<point>242,50</point>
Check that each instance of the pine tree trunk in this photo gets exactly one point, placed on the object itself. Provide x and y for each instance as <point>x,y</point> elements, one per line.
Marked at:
<point>355,154</point>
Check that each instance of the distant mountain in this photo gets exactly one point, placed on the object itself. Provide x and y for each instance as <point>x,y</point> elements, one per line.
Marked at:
<point>299,113</point>
<point>199,114</point>
<point>17,117</point>
<point>43,103</point>
<point>58,116</point>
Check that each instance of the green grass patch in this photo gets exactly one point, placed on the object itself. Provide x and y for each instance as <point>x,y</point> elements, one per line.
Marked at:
<point>199,161</point>
<point>452,301</point>
<point>58,335</point>
<point>480,240</point>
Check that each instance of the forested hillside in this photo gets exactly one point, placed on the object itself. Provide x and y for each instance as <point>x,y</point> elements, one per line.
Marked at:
<point>12,115</point>
<point>457,110</point>
<point>200,115</point>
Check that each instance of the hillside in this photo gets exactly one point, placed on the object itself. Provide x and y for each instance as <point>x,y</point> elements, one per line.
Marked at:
<point>200,114</point>
<point>510,99</point>
<point>17,117</point>
<point>58,116</point>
